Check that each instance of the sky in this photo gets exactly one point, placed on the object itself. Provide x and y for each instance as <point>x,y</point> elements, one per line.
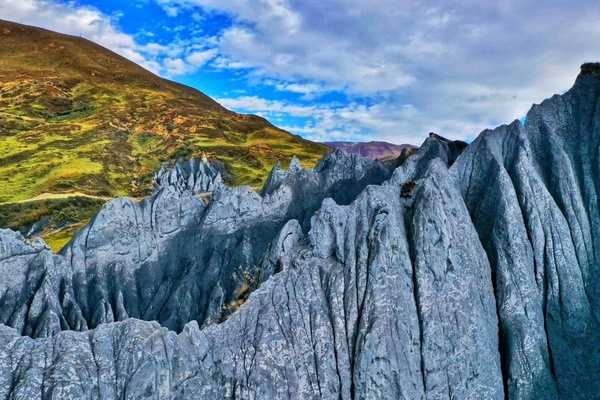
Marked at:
<point>355,70</point>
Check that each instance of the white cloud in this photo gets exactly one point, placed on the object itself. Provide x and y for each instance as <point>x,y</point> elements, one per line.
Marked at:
<point>407,67</point>
<point>221,62</point>
<point>308,90</point>
<point>191,63</point>
<point>199,58</point>
<point>323,122</point>
<point>171,11</point>
<point>464,65</point>
<point>175,66</point>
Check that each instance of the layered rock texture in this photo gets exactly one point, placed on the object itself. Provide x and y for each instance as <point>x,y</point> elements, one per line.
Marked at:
<point>195,175</point>
<point>464,273</point>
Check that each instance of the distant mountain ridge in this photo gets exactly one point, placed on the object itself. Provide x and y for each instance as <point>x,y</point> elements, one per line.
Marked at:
<point>375,150</point>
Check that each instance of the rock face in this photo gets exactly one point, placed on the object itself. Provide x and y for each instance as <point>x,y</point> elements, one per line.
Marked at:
<point>197,176</point>
<point>170,258</point>
<point>532,193</point>
<point>37,295</point>
<point>466,273</point>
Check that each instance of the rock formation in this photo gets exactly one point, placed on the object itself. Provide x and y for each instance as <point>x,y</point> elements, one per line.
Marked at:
<point>195,175</point>
<point>467,272</point>
<point>169,257</point>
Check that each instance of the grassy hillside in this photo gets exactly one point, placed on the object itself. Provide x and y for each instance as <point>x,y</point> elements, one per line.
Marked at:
<point>60,217</point>
<point>76,117</point>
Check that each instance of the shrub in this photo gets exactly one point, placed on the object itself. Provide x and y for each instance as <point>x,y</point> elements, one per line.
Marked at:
<point>247,280</point>
<point>408,189</point>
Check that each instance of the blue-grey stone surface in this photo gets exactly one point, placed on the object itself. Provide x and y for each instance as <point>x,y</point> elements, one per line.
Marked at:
<point>195,175</point>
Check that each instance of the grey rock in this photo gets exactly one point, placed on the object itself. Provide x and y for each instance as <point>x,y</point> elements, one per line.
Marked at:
<point>330,323</point>
<point>170,258</point>
<point>36,292</point>
<point>36,227</point>
<point>532,193</point>
<point>340,176</point>
<point>195,175</point>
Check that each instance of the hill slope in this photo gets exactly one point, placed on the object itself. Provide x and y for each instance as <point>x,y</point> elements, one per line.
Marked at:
<point>78,118</point>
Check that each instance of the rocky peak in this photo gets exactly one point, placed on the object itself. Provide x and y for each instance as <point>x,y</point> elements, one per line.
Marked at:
<point>195,175</point>
<point>592,68</point>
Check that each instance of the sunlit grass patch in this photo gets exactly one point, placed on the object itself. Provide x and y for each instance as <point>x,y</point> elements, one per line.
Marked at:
<point>58,239</point>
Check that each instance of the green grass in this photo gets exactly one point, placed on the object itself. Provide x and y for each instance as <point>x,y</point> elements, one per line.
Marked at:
<point>57,240</point>
<point>64,215</point>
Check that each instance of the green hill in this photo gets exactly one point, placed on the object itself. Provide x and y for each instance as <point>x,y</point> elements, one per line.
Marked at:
<point>78,118</point>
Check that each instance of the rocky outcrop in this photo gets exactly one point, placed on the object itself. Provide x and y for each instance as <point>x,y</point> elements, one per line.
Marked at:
<point>195,175</point>
<point>345,316</point>
<point>36,292</point>
<point>467,273</point>
<point>339,175</point>
<point>532,193</point>
<point>170,258</point>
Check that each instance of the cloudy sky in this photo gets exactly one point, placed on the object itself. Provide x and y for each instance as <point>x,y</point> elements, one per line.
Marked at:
<point>348,69</point>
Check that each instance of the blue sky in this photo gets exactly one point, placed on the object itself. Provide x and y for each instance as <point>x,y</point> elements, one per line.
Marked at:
<point>347,69</point>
